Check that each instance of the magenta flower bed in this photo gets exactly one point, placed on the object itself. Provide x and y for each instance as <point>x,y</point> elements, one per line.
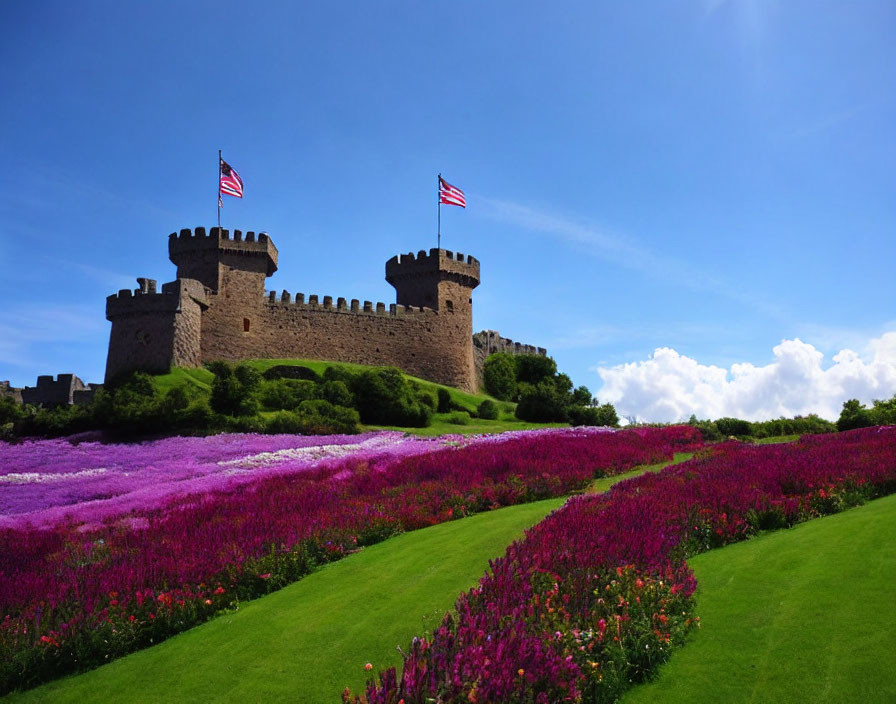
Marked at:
<point>597,594</point>
<point>174,530</point>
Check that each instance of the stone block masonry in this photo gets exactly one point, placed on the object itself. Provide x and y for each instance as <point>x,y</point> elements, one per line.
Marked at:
<point>217,309</point>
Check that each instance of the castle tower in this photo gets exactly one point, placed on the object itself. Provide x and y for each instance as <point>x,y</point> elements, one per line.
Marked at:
<point>221,263</point>
<point>442,281</point>
<point>233,269</point>
<point>153,331</point>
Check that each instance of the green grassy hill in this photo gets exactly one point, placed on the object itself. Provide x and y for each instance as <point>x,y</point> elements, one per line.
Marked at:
<point>442,423</point>
<point>800,615</point>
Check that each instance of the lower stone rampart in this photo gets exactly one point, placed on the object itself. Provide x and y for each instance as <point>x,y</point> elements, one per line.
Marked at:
<point>53,392</point>
<point>487,342</point>
<point>8,391</point>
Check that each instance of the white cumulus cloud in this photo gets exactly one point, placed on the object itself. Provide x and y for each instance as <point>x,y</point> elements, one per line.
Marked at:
<point>670,387</point>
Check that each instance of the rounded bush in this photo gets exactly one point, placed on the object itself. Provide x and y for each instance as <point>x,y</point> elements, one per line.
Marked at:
<point>487,410</point>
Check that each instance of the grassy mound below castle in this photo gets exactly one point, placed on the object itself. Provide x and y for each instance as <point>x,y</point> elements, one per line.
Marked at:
<point>453,410</point>
<point>296,396</point>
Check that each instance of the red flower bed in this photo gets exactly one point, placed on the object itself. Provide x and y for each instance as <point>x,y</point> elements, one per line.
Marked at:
<point>597,594</point>
<point>73,596</point>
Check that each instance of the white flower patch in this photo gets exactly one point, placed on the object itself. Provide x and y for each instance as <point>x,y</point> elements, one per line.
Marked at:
<point>312,453</point>
<point>38,478</point>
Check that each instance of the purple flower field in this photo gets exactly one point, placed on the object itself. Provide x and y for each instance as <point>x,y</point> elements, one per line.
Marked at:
<point>597,594</point>
<point>107,548</point>
<point>43,482</point>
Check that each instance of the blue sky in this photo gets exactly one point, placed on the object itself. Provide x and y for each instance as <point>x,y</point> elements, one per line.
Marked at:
<point>691,205</point>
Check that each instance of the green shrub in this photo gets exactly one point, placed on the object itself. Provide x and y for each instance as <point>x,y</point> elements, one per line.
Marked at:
<point>337,393</point>
<point>499,376</point>
<point>291,371</point>
<point>487,410</point>
<point>232,390</point>
<point>708,430</point>
<point>227,393</point>
<point>248,376</point>
<point>58,421</point>
<point>798,425</point>
<point>287,422</point>
<point>286,394</point>
<point>884,412</point>
<point>323,417</point>
<point>383,397</point>
<point>734,427</point>
<point>564,385</point>
<point>339,373</point>
<point>219,368</point>
<point>582,397</point>
<point>444,405</point>
<point>427,400</point>
<point>542,403</point>
<point>10,411</point>
<point>247,423</point>
<point>314,417</point>
<point>854,415</point>
<point>604,415</point>
<point>459,418</point>
<point>533,368</point>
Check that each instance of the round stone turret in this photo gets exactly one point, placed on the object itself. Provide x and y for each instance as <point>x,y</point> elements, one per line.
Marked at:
<point>201,257</point>
<point>441,279</point>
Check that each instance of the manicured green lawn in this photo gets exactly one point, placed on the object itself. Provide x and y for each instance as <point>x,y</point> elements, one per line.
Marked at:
<point>604,483</point>
<point>309,641</point>
<point>800,615</point>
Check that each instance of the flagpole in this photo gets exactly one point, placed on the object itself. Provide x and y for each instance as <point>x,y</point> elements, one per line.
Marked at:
<point>439,199</point>
<point>219,189</point>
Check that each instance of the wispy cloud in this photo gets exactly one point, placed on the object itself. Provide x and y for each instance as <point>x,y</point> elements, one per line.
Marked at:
<point>620,250</point>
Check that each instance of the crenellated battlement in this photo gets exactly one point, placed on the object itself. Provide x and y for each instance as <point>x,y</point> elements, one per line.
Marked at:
<point>146,299</point>
<point>490,341</point>
<point>186,245</point>
<point>448,264</point>
<point>285,300</point>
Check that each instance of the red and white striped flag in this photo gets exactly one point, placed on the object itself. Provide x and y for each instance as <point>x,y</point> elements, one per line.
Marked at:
<point>451,195</point>
<point>231,184</point>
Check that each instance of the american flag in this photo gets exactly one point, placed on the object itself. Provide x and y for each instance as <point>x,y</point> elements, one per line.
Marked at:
<point>451,195</point>
<point>231,183</point>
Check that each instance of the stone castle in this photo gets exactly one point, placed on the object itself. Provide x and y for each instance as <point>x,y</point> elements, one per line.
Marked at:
<point>217,309</point>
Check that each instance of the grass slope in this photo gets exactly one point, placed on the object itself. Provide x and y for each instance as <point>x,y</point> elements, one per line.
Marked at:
<point>801,615</point>
<point>441,424</point>
<point>309,641</point>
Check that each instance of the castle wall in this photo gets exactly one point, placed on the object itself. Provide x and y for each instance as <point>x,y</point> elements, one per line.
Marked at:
<point>424,343</point>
